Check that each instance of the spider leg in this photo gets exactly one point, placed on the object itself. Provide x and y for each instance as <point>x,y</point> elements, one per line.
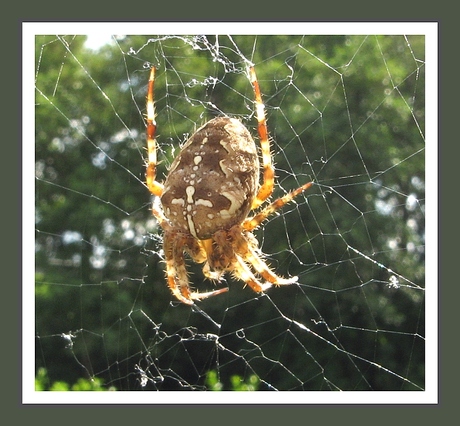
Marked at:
<point>246,246</point>
<point>242,271</point>
<point>266,188</point>
<point>253,257</point>
<point>195,249</point>
<point>155,188</point>
<point>176,272</point>
<point>211,253</point>
<point>253,222</point>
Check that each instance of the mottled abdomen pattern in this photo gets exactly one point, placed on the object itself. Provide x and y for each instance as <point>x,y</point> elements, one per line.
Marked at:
<point>214,179</point>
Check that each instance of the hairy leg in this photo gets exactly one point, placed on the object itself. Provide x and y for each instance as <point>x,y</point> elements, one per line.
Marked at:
<point>176,273</point>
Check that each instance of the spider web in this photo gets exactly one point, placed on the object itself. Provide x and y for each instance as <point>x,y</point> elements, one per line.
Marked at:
<point>345,111</point>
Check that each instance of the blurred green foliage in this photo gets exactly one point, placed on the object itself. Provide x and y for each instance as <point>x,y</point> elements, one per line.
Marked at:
<point>344,111</point>
<point>42,384</point>
<point>236,382</point>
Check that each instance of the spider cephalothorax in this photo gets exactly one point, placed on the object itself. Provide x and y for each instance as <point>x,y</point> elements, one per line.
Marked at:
<point>211,187</point>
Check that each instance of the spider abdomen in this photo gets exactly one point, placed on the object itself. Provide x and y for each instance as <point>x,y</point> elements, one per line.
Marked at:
<point>213,180</point>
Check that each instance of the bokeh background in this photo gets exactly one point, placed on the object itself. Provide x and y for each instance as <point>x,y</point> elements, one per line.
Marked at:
<point>346,112</point>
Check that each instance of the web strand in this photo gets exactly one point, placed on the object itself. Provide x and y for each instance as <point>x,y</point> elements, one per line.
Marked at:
<point>346,113</point>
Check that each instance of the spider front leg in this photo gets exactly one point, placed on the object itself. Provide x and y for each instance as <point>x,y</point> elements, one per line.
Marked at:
<point>155,188</point>
<point>266,188</point>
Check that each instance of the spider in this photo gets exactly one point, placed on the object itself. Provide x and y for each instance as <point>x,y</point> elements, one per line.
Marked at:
<point>211,188</point>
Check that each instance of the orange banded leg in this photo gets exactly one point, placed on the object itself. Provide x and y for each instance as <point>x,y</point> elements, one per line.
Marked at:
<point>242,271</point>
<point>176,272</point>
<point>253,222</point>
<point>269,172</point>
<point>155,188</point>
<point>246,247</point>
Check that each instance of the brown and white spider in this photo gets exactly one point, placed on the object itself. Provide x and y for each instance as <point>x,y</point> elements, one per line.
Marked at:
<point>211,187</point>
